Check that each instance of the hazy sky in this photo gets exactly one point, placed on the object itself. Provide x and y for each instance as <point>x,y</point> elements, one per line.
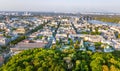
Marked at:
<point>61,5</point>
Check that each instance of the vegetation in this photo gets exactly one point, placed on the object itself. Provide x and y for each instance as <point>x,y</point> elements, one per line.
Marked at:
<point>108,19</point>
<point>56,60</point>
<point>96,32</point>
<point>98,45</point>
<point>91,33</point>
<point>17,40</point>
<point>117,34</point>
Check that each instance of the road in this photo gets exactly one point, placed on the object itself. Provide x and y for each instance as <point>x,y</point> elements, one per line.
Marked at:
<point>27,34</point>
<point>54,34</point>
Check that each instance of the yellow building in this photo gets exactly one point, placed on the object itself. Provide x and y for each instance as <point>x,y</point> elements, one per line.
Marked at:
<point>20,30</point>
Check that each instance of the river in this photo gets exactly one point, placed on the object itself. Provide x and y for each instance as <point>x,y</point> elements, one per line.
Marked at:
<point>103,23</point>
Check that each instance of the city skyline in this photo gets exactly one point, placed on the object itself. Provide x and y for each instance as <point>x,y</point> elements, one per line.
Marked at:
<point>61,5</point>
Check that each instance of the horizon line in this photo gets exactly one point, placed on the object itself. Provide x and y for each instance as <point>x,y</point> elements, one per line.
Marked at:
<point>58,11</point>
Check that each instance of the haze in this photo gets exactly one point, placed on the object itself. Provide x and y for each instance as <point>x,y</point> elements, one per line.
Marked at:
<point>61,5</point>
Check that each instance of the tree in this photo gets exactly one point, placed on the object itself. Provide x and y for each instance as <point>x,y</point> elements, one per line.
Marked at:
<point>40,59</point>
<point>95,65</point>
<point>76,46</point>
<point>98,44</point>
<point>105,68</point>
<point>29,68</point>
<point>71,42</point>
<point>54,47</point>
<point>77,42</point>
<point>40,69</point>
<point>57,42</point>
<point>113,68</point>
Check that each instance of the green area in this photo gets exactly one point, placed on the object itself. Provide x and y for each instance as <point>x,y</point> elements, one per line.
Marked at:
<point>56,60</point>
<point>18,40</point>
<point>37,28</point>
<point>98,44</point>
<point>108,19</point>
<point>91,33</point>
<point>96,32</point>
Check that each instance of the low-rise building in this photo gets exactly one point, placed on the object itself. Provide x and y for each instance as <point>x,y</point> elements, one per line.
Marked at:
<point>4,41</point>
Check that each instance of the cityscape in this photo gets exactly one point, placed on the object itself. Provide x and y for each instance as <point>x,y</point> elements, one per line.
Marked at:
<point>59,41</point>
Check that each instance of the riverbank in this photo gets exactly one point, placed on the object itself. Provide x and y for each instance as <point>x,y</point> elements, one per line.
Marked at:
<point>103,23</point>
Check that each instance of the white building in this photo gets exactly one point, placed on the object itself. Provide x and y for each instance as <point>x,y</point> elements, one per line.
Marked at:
<point>3,41</point>
<point>2,25</point>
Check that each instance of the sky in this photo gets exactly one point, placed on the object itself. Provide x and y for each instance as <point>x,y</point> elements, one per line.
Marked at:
<point>61,5</point>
